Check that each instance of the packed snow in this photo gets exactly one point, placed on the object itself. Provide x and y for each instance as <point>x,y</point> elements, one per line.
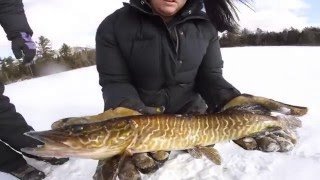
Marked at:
<point>287,74</point>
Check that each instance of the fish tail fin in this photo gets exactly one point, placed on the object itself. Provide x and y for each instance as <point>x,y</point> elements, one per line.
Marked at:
<point>289,122</point>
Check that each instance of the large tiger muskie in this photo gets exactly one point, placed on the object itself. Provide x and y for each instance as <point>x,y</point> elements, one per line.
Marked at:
<point>147,133</point>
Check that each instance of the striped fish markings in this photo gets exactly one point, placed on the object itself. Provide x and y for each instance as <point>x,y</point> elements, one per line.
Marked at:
<point>146,133</point>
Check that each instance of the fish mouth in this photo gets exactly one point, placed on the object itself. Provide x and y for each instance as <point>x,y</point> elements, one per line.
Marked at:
<point>43,151</point>
<point>49,137</point>
<point>53,144</point>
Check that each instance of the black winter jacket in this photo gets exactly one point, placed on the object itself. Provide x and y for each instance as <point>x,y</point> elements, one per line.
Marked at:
<point>142,59</point>
<point>13,19</point>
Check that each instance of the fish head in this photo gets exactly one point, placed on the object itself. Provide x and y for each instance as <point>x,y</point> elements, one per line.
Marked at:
<point>92,141</point>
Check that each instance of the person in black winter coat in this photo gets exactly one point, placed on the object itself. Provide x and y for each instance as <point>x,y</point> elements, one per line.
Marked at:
<point>153,53</point>
<point>144,61</point>
<point>12,124</point>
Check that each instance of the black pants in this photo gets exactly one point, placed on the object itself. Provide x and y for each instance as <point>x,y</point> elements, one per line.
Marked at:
<point>12,127</point>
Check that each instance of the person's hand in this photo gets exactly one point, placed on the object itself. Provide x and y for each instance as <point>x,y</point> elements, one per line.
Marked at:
<point>151,110</point>
<point>265,105</point>
<point>141,162</point>
<point>277,141</point>
<point>149,162</point>
<point>109,169</point>
<point>131,167</point>
<point>274,141</point>
<point>141,108</point>
<point>24,47</point>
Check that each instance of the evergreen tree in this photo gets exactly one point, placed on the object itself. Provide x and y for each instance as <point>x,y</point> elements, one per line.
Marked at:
<point>310,36</point>
<point>65,51</point>
<point>293,36</point>
<point>44,50</point>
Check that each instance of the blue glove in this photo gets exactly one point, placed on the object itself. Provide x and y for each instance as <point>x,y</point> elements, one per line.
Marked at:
<point>24,46</point>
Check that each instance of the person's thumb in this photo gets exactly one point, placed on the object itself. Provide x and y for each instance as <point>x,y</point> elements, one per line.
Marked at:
<point>17,50</point>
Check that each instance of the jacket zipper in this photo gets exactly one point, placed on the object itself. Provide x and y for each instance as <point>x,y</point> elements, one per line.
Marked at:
<point>174,26</point>
<point>177,41</point>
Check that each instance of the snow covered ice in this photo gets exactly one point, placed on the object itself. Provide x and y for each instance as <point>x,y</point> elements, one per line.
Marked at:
<point>287,74</point>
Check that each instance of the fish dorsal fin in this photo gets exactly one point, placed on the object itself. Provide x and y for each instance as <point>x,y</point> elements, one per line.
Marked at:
<point>250,108</point>
<point>211,153</point>
<point>195,153</point>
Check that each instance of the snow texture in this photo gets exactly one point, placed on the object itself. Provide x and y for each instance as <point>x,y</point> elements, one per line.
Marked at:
<point>287,74</point>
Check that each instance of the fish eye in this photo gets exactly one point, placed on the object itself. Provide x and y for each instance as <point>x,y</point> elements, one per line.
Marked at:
<point>76,128</point>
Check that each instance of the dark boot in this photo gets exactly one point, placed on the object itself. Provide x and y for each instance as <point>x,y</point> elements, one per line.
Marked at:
<point>27,172</point>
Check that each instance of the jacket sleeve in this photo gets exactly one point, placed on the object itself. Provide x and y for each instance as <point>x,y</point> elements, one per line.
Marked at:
<point>113,72</point>
<point>13,19</point>
<point>215,90</point>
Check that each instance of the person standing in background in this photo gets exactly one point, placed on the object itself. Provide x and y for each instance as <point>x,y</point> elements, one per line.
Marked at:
<point>12,124</point>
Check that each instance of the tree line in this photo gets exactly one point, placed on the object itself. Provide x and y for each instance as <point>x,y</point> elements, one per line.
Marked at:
<point>47,61</point>
<point>309,36</point>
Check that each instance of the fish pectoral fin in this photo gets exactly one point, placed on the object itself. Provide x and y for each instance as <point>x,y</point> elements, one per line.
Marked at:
<point>211,153</point>
<point>195,153</point>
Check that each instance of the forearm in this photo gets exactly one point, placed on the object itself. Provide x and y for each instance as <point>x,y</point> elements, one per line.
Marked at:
<point>114,75</point>
<point>114,79</point>
<point>121,94</point>
<point>13,19</point>
<point>211,84</point>
<point>216,91</point>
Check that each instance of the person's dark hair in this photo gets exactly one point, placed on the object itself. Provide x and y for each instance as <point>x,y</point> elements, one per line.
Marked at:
<point>223,14</point>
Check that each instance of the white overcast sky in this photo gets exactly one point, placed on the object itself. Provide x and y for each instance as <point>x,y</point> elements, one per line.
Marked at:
<point>75,21</point>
